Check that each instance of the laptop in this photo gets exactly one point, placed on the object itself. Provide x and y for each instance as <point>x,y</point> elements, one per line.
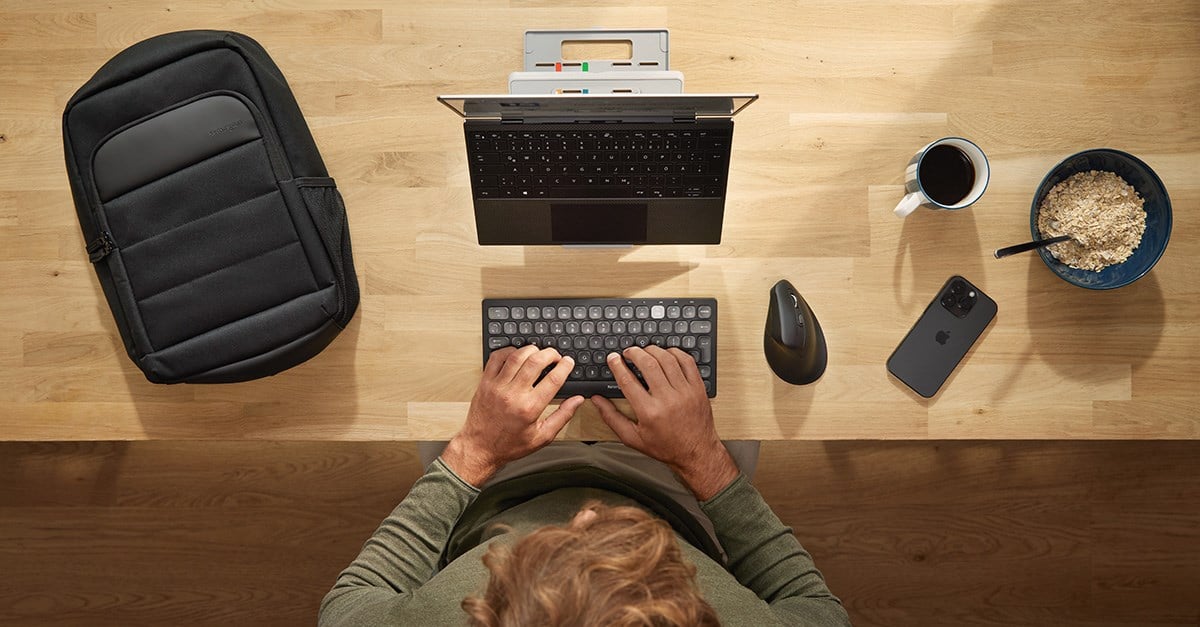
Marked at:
<point>589,169</point>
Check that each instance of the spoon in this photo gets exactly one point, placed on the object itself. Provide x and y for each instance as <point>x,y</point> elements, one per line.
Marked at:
<point>1027,246</point>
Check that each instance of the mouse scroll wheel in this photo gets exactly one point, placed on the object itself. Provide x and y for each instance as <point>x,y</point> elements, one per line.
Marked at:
<point>799,316</point>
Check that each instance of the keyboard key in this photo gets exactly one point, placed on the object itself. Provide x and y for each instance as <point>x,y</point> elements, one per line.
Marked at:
<point>701,326</point>
<point>658,311</point>
<point>498,313</point>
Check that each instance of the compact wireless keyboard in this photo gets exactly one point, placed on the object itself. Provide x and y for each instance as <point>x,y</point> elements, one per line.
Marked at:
<point>587,329</point>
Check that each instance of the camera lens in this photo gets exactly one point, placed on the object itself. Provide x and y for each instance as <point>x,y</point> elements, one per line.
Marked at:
<point>948,301</point>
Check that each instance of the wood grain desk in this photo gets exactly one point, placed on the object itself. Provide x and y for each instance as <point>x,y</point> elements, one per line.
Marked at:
<point>849,91</point>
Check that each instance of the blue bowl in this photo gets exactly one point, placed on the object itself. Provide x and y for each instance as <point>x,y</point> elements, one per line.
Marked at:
<point>1158,217</point>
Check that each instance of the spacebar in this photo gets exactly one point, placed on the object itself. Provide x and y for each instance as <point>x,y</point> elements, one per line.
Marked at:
<point>587,389</point>
<point>596,191</point>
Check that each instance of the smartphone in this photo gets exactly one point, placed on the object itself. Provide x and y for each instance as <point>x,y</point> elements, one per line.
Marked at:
<point>952,322</point>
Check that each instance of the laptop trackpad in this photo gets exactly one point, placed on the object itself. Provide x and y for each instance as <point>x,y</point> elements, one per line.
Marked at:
<point>598,223</point>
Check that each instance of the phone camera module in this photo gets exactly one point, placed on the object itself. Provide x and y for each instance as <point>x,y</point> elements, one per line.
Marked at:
<point>959,300</point>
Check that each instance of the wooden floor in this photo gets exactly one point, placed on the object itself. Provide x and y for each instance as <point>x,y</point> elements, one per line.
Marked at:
<point>962,533</point>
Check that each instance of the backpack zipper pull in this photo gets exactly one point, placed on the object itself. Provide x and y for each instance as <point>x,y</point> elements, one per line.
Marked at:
<point>100,247</point>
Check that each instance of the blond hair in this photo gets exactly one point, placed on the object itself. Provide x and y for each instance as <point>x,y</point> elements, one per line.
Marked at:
<point>622,567</point>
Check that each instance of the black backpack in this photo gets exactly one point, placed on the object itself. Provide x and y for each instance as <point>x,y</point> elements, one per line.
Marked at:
<point>220,241</point>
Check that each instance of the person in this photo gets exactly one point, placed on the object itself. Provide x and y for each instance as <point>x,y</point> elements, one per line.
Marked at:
<point>506,528</point>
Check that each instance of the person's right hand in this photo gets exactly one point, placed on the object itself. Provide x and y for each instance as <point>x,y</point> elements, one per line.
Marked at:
<point>674,421</point>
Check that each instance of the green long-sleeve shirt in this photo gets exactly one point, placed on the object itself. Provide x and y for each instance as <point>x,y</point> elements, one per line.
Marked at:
<point>770,579</point>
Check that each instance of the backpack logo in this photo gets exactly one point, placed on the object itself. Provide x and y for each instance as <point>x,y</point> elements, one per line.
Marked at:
<point>226,128</point>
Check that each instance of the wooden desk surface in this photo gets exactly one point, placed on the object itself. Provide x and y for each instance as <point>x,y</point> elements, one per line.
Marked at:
<point>849,91</point>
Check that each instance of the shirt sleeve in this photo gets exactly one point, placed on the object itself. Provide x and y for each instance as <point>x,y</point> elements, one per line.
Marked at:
<point>766,558</point>
<point>402,554</point>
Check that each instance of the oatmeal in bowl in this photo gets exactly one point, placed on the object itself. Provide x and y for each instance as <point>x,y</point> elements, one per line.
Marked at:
<point>1116,210</point>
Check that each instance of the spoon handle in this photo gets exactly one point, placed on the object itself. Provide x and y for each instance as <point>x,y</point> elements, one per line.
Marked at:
<point>1037,243</point>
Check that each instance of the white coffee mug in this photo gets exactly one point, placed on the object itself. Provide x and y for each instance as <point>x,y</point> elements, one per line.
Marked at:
<point>949,173</point>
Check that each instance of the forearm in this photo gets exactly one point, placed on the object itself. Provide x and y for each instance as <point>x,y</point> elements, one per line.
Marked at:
<point>472,464</point>
<point>403,553</point>
<point>708,472</point>
<point>766,557</point>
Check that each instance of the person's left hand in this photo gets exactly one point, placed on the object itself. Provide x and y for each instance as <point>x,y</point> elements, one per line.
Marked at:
<point>504,422</point>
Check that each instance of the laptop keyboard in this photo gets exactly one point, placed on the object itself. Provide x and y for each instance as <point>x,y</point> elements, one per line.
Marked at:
<point>588,329</point>
<point>598,161</point>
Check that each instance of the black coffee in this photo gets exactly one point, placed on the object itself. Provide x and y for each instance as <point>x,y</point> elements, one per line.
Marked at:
<point>946,174</point>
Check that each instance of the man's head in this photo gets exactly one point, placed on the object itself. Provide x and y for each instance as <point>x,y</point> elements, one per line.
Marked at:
<point>609,566</point>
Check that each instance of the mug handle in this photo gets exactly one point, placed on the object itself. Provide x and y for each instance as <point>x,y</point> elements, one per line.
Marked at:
<point>908,204</point>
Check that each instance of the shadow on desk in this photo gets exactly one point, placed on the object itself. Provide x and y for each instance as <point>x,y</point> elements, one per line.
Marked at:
<point>796,399</point>
<point>938,244</point>
<point>552,271</point>
<point>1070,326</point>
<point>317,399</point>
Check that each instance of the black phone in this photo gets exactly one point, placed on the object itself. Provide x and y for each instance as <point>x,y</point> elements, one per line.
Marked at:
<point>942,336</point>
